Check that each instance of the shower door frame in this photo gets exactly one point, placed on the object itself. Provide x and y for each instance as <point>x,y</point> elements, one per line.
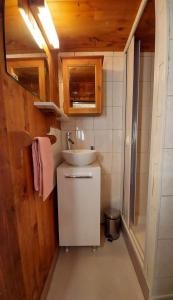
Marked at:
<point>134,138</point>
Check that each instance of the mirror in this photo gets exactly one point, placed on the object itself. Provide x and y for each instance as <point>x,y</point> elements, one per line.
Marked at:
<point>82,81</point>
<point>26,62</point>
<point>82,86</point>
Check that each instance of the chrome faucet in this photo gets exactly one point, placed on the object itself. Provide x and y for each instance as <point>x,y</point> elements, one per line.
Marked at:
<point>69,140</point>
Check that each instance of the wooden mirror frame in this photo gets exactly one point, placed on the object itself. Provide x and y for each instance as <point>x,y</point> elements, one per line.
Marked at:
<point>97,61</point>
<point>30,63</point>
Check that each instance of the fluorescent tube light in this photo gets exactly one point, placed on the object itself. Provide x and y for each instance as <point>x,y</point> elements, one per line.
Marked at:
<point>48,25</point>
<point>33,28</point>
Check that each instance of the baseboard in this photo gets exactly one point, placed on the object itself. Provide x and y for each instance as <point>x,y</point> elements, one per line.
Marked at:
<point>50,274</point>
<point>136,264</point>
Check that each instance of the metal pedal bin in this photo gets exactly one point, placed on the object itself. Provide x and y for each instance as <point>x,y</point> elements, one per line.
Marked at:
<point>112,224</point>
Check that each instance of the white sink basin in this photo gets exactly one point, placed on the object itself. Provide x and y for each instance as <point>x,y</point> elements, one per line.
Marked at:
<point>80,157</point>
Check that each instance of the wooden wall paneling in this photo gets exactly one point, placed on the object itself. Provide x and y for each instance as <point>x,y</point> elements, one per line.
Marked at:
<point>11,279</point>
<point>11,275</point>
<point>35,218</point>
<point>28,233</point>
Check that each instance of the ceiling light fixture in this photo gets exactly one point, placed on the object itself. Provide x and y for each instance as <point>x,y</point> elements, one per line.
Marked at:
<point>48,25</point>
<point>33,28</point>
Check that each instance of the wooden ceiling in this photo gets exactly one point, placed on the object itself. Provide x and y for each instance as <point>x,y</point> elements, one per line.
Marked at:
<point>17,36</point>
<point>146,28</point>
<point>90,25</point>
<point>93,25</point>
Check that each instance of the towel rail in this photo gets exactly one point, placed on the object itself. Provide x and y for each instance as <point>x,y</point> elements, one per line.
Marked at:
<point>22,139</point>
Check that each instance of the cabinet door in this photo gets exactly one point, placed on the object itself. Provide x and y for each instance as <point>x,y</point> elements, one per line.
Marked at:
<point>79,208</point>
<point>82,81</point>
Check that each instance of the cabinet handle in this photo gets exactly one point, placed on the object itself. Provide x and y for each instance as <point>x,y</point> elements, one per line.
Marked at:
<point>78,176</point>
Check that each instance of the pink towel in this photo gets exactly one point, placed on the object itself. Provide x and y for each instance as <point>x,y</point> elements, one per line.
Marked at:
<point>43,166</point>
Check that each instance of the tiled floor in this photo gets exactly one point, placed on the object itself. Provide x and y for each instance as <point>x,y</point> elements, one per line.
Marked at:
<point>107,274</point>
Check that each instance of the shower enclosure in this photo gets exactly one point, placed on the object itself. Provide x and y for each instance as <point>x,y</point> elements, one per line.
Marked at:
<point>138,117</point>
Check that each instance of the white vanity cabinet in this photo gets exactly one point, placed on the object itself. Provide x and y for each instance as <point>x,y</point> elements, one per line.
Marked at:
<point>79,205</point>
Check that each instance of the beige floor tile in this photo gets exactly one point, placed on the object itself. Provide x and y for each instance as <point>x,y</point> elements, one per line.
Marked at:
<point>107,274</point>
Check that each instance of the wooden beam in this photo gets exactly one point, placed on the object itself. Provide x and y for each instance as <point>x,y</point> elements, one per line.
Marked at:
<point>53,75</point>
<point>136,22</point>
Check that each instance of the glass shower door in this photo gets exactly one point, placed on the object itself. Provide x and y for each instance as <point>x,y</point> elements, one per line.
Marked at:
<point>133,177</point>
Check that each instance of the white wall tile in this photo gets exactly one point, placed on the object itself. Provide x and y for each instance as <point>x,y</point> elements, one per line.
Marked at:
<point>69,125</point>
<point>117,138</point>
<point>118,68</point>
<point>164,265</point>
<point>118,53</point>
<point>105,191</point>
<point>145,68</point>
<point>103,140</point>
<point>56,148</point>
<point>117,163</point>
<point>107,69</point>
<point>166,218</point>
<point>84,123</point>
<point>84,139</point>
<point>168,143</point>
<point>105,120</point>
<point>145,95</point>
<point>167,177</point>
<point>117,98</point>
<point>64,139</point>
<point>105,160</point>
<point>117,118</point>
<point>116,180</point>
<point>163,286</point>
<point>107,92</point>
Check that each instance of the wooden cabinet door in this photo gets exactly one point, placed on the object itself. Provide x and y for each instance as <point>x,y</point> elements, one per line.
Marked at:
<point>82,81</point>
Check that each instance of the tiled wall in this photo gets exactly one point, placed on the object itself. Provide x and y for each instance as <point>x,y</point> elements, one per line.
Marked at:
<point>105,132</point>
<point>56,148</point>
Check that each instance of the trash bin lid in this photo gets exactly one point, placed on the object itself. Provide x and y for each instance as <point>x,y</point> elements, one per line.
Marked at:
<point>112,213</point>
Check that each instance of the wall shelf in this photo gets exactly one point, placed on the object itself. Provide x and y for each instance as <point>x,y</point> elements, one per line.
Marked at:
<point>51,107</point>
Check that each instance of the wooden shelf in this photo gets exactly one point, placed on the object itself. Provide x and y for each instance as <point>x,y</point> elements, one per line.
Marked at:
<point>51,107</point>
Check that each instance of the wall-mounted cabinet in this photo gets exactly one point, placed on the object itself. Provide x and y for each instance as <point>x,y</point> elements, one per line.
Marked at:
<point>82,80</point>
